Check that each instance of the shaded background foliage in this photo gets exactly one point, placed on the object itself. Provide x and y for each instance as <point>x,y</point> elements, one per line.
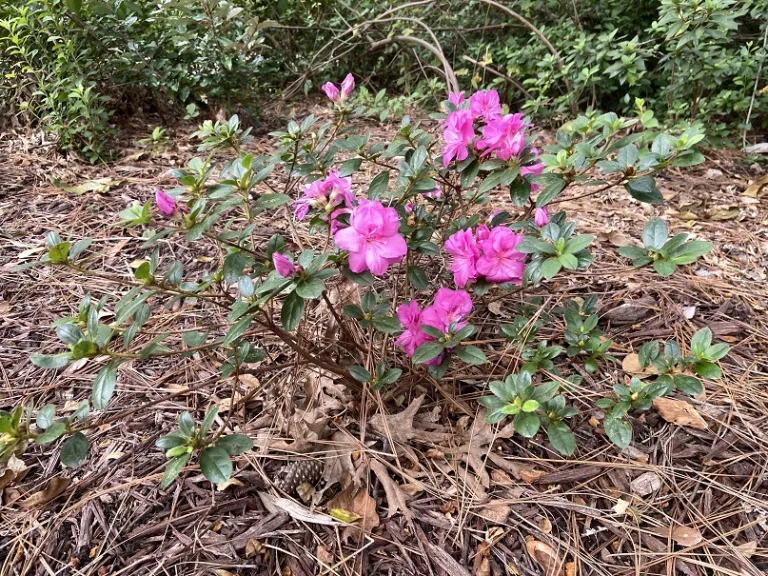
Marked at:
<point>73,65</point>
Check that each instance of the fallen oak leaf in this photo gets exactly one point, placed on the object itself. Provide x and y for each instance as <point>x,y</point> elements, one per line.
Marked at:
<point>757,188</point>
<point>358,502</point>
<point>680,413</point>
<point>545,556</point>
<point>55,488</point>
<point>395,496</point>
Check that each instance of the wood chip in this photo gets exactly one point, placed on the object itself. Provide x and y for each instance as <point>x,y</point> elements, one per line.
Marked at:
<point>646,483</point>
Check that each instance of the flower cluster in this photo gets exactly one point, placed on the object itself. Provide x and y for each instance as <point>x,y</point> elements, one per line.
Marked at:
<point>372,238</point>
<point>445,314</point>
<point>477,126</point>
<point>339,96</point>
<point>331,196</point>
<point>487,253</point>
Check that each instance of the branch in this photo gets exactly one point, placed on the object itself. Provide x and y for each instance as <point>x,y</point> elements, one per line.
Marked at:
<point>509,79</point>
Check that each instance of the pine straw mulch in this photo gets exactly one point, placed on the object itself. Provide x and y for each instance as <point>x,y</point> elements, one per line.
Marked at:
<point>437,490</point>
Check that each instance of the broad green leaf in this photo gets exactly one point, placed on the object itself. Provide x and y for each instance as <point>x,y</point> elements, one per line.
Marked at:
<point>386,324</point>
<point>688,384</point>
<point>707,370</point>
<point>418,278</point>
<point>69,334</point>
<point>186,424</point>
<point>471,355</point>
<point>238,329</point>
<point>562,438</point>
<point>215,464</point>
<point>45,416</point>
<point>359,373</point>
<point>234,264</point>
<point>551,185</point>
<point>632,252</point>
<point>74,450</point>
<point>208,419</point>
<point>701,341</point>
<point>309,288</point>
<point>619,431</point>
<point>173,469</point>
<point>427,352</point>
<point>527,424</point>
<point>378,185</point>
<point>655,233</point>
<point>292,311</point>
<point>172,440</point>
<point>234,444</point>
<point>268,201</point>
<point>59,253</point>
<point>104,385</point>
<point>578,243</point>
<point>643,189</point>
<point>690,251</point>
<point>550,267</point>
<point>53,432</point>
<point>664,268</point>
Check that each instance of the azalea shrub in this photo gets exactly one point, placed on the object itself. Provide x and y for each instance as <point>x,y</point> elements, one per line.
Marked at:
<point>433,227</point>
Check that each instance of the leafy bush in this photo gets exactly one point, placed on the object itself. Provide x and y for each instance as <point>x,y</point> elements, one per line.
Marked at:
<point>431,197</point>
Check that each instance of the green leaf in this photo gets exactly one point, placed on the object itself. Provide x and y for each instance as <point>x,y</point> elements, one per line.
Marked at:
<point>74,450</point>
<point>104,385</point>
<point>569,261</point>
<point>173,469</point>
<point>690,158</point>
<point>194,339</point>
<point>378,185</point>
<point>173,440</point>
<point>215,464</point>
<point>469,173</point>
<point>578,243</point>
<point>701,341</point>
<point>234,444</point>
<point>53,432</point>
<point>234,264</point>
<point>520,191</point>
<point>655,234</point>
<point>418,278</point>
<point>690,251</point>
<point>359,373</point>
<point>293,310</point>
<point>69,334</point>
<point>309,288</point>
<point>632,252</point>
<point>552,185</point>
<point>627,156</point>
<point>350,167</point>
<point>707,370</point>
<point>664,268</point>
<point>688,384</point>
<point>550,267</point>
<point>268,201</point>
<point>619,431</point>
<point>644,189</point>
<point>527,424</point>
<point>186,424</point>
<point>427,352</point>
<point>239,327</point>
<point>208,419</point>
<point>59,253</point>
<point>45,416</point>
<point>386,324</point>
<point>562,438</point>
<point>717,351</point>
<point>471,355</point>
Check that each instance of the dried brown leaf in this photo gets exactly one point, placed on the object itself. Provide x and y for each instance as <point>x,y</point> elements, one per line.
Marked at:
<point>359,502</point>
<point>55,488</point>
<point>686,535</point>
<point>395,496</point>
<point>680,413</point>
<point>646,483</point>
<point>545,556</point>
<point>757,189</point>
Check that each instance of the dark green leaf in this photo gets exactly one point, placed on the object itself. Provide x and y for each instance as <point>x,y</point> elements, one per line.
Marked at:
<point>173,469</point>
<point>69,334</point>
<point>552,185</point>
<point>664,268</point>
<point>239,327</point>
<point>618,430</point>
<point>104,385</point>
<point>172,440</point>
<point>632,252</point>
<point>418,278</point>
<point>53,432</point>
<point>309,288</point>
<point>194,339</point>
<point>186,424</point>
<point>215,464</point>
<point>427,352</point>
<point>74,450</point>
<point>520,191</point>
<point>655,233</point>
<point>359,373</point>
<point>707,370</point>
<point>471,355</point>
<point>644,189</point>
<point>550,267</point>
<point>562,438</point>
<point>689,252</point>
<point>527,424</point>
<point>293,310</point>
<point>268,201</point>
<point>234,264</point>
<point>386,324</point>
<point>688,384</point>
<point>208,419</point>
<point>378,185</point>
<point>234,444</point>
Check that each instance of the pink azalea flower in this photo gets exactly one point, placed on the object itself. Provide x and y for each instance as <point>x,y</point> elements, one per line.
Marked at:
<point>500,261</point>
<point>331,91</point>
<point>537,168</point>
<point>461,245</point>
<point>347,86</point>
<point>504,136</point>
<point>482,232</point>
<point>413,337</point>
<point>409,207</point>
<point>450,307</point>
<point>435,194</point>
<point>485,104</point>
<point>283,265</point>
<point>458,135</point>
<point>456,98</point>
<point>541,216</point>
<point>372,238</point>
<point>337,224</point>
<point>325,196</point>
<point>167,204</point>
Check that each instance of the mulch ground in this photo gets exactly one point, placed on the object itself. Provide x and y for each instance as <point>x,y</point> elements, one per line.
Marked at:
<point>437,490</point>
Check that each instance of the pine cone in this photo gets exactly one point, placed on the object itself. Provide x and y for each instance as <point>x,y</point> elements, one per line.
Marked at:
<point>295,473</point>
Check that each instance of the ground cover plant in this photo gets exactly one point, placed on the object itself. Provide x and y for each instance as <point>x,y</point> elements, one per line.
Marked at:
<point>355,271</point>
